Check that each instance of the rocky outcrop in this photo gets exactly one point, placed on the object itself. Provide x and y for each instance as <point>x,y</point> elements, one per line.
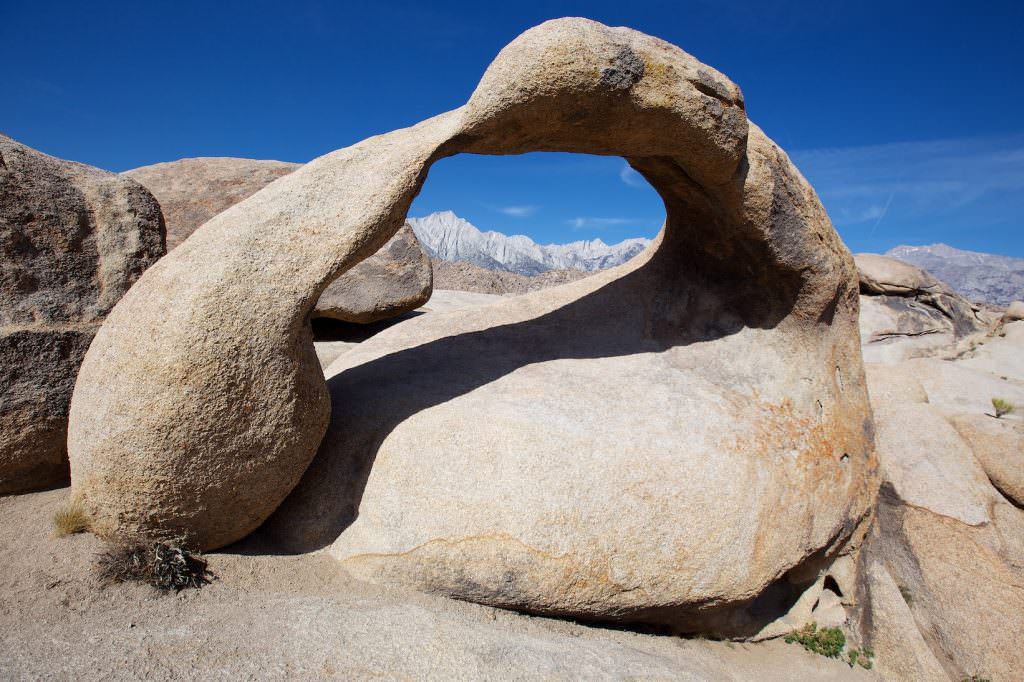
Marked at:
<point>393,281</point>
<point>949,539</point>
<point>74,239</point>
<point>1015,312</point>
<point>906,313</point>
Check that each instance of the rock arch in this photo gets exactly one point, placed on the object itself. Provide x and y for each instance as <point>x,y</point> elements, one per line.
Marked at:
<point>186,420</point>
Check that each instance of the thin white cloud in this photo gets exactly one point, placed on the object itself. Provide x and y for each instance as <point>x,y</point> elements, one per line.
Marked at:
<point>630,176</point>
<point>517,211</point>
<point>926,180</point>
<point>580,222</point>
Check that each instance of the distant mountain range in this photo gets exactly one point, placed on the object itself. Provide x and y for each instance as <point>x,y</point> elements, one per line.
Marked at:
<point>446,236</point>
<point>980,277</point>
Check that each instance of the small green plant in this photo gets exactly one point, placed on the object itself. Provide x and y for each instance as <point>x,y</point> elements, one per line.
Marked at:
<point>907,595</point>
<point>826,641</point>
<point>976,678</point>
<point>862,657</point>
<point>1002,407</point>
<point>164,565</point>
<point>70,519</point>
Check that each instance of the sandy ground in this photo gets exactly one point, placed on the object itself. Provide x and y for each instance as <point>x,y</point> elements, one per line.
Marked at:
<point>276,617</point>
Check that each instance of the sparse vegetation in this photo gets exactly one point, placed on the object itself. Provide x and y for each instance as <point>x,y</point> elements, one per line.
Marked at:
<point>907,595</point>
<point>1002,407</point>
<point>830,642</point>
<point>166,566</point>
<point>862,657</point>
<point>976,678</point>
<point>826,641</point>
<point>70,519</point>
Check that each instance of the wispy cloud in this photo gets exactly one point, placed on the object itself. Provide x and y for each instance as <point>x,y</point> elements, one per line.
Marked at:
<point>922,180</point>
<point>517,211</point>
<point>580,223</point>
<point>630,176</point>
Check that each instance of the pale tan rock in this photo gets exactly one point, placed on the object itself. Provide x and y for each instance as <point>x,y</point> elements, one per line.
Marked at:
<point>1000,354</point>
<point>967,596</point>
<point>1015,312</point>
<point>901,653</point>
<point>391,282</point>
<point>682,431</point>
<point>73,238</point>
<point>893,384</point>
<point>907,313</point>
<point>443,300</point>
<point>998,445</point>
<point>929,465</point>
<point>950,542</point>
<point>954,387</point>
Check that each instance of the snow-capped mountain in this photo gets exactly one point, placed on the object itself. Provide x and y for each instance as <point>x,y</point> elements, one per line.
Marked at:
<point>447,236</point>
<point>982,277</point>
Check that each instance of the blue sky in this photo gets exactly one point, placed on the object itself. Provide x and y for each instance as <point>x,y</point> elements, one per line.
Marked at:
<point>906,117</point>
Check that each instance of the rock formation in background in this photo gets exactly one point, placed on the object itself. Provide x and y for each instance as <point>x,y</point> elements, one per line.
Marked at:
<point>943,594</point>
<point>981,277</point>
<point>683,440</point>
<point>392,281</point>
<point>905,312</point>
<point>74,239</point>
<point>449,237</point>
<point>464,276</point>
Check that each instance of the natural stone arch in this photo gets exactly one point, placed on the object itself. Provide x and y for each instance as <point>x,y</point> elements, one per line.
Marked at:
<point>185,422</point>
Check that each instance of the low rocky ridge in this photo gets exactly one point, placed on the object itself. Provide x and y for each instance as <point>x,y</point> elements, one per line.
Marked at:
<point>448,237</point>
<point>393,281</point>
<point>464,276</point>
<point>74,239</point>
<point>981,277</point>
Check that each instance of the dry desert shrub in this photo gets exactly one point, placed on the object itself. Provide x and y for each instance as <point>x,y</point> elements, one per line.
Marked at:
<point>164,565</point>
<point>70,519</point>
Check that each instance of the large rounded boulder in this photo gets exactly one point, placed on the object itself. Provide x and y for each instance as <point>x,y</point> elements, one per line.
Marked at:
<point>74,238</point>
<point>684,440</point>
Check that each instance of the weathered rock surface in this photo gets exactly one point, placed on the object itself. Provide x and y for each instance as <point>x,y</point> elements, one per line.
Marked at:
<point>73,239</point>
<point>393,281</point>
<point>396,279</point>
<point>905,312</point>
<point>682,440</point>
<point>191,191</point>
<point>950,542</point>
<point>998,445</point>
